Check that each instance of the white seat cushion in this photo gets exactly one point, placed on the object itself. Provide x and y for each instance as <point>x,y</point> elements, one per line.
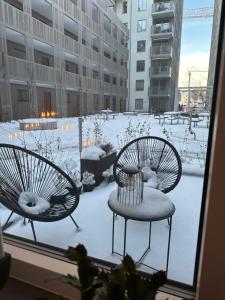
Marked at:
<point>33,204</point>
<point>155,206</point>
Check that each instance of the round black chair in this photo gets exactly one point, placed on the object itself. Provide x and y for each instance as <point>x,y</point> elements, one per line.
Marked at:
<point>22,170</point>
<point>163,160</point>
<point>154,152</point>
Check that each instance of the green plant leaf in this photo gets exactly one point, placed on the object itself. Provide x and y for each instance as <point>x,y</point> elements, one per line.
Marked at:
<point>129,264</point>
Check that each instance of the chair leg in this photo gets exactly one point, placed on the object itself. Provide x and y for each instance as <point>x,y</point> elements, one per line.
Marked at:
<point>150,233</point>
<point>168,221</point>
<point>32,226</point>
<point>168,249</point>
<point>74,221</point>
<point>113,227</point>
<point>125,237</point>
<point>7,221</point>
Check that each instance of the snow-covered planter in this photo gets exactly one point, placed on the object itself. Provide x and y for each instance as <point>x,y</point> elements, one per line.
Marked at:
<point>108,175</point>
<point>88,182</point>
<point>97,159</point>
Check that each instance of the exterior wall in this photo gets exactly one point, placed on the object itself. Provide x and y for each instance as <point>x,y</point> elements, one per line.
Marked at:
<point>155,99</point>
<point>32,68</point>
<point>213,49</point>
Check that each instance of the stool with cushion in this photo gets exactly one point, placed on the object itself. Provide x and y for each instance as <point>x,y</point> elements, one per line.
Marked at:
<point>155,158</point>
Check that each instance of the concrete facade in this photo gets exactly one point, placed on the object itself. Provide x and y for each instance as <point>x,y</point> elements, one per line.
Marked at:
<point>158,25</point>
<point>213,49</point>
<point>61,57</point>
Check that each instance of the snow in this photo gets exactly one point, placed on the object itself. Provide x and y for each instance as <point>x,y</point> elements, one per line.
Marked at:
<point>93,214</point>
<point>93,152</point>
<point>38,204</point>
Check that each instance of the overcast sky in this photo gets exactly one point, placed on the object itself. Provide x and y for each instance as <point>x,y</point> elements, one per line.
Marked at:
<point>195,44</point>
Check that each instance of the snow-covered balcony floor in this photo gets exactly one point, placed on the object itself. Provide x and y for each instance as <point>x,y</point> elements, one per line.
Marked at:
<point>95,219</point>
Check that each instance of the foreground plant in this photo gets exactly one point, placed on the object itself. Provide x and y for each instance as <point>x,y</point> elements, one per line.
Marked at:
<point>121,283</point>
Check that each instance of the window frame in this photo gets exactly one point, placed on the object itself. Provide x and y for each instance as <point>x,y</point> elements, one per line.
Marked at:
<point>144,46</point>
<point>140,25</point>
<point>142,4</point>
<point>142,63</point>
<point>139,101</point>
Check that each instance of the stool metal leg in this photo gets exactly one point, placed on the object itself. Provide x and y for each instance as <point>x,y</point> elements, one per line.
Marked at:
<point>150,233</point>
<point>125,236</point>
<point>113,226</point>
<point>168,249</point>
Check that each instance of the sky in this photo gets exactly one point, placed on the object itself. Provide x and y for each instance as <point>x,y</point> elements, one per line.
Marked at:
<point>195,45</point>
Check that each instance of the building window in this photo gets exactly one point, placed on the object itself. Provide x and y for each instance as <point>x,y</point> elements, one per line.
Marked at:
<point>95,74</point>
<point>95,13</point>
<point>141,46</point>
<point>114,80</point>
<point>138,103</point>
<point>114,31</point>
<point>107,78</point>
<point>124,9</point>
<point>142,5</point>
<point>74,2</point>
<point>84,71</point>
<point>22,95</point>
<point>107,24</point>
<point>83,5</point>
<point>139,85</point>
<point>140,67</point>
<point>141,25</point>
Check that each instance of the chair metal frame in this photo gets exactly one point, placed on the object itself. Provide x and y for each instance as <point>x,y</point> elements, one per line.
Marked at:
<point>24,170</point>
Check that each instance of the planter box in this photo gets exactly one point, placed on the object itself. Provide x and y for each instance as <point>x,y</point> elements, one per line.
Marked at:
<point>98,166</point>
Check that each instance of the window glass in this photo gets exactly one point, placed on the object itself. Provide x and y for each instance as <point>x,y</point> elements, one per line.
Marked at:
<point>139,85</point>
<point>138,103</point>
<point>107,24</point>
<point>140,65</point>
<point>124,9</point>
<point>141,25</point>
<point>22,95</point>
<point>95,13</point>
<point>142,5</point>
<point>141,46</point>
<point>83,5</point>
<point>114,31</point>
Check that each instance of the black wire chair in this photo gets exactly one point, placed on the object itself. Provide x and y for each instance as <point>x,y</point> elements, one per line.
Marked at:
<point>154,152</point>
<point>153,205</point>
<point>23,170</point>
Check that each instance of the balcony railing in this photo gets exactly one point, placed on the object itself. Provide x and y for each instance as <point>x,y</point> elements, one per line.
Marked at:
<point>71,80</point>
<point>162,28</point>
<point>43,31</point>
<point>44,74</point>
<point>160,71</point>
<point>16,18</point>
<point>159,91</point>
<point>71,9</point>
<point>163,8</point>
<point>161,50</point>
<point>70,44</point>
<point>18,68</point>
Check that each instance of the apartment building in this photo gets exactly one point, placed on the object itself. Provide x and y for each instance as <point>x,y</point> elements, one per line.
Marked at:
<point>61,58</point>
<point>154,47</point>
<point>213,49</point>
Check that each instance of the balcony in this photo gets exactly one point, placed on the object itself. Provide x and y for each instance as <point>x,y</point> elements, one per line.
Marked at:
<point>18,68</point>
<point>156,91</point>
<point>107,88</point>
<point>43,31</point>
<point>16,18</point>
<point>163,10</point>
<point>44,74</point>
<point>71,80</point>
<point>161,52</point>
<point>160,71</point>
<point>162,31</point>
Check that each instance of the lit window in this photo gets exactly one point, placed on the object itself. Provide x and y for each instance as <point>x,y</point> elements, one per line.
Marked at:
<point>141,46</point>
<point>140,67</point>
<point>139,85</point>
<point>142,5</point>
<point>124,7</point>
<point>138,103</point>
<point>141,25</point>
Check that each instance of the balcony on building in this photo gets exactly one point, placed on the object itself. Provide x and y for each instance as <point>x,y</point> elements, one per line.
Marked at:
<point>16,3</point>
<point>16,55</point>
<point>161,31</point>
<point>15,44</point>
<point>160,70</point>
<point>163,9</point>
<point>161,50</point>
<point>42,11</point>
<point>71,28</point>
<point>71,63</point>
<point>43,53</point>
<point>159,88</point>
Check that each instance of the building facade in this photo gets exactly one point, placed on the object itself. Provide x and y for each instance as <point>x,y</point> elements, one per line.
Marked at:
<point>213,49</point>
<point>154,47</point>
<point>61,58</point>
